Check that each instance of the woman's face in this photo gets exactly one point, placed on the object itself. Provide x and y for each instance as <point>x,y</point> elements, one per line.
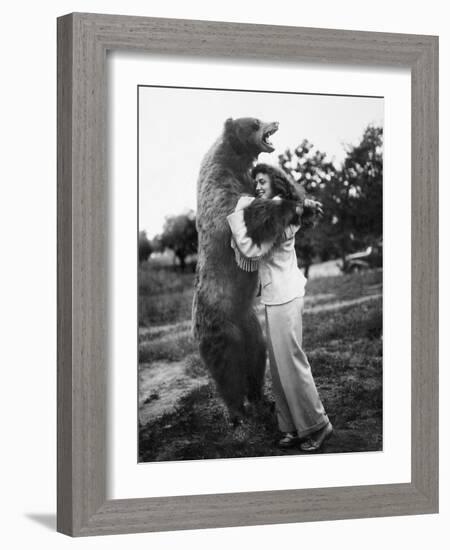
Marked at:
<point>263,186</point>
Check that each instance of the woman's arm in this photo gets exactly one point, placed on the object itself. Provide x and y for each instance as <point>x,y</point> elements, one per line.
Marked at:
<point>245,244</point>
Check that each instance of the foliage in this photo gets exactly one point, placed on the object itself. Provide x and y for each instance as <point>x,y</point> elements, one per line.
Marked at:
<point>144,247</point>
<point>165,295</point>
<point>180,235</point>
<point>352,196</point>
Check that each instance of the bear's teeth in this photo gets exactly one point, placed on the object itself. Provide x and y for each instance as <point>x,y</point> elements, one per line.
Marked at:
<point>266,138</point>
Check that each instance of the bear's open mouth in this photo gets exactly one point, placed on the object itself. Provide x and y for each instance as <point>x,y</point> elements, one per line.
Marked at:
<point>266,137</point>
<point>269,131</point>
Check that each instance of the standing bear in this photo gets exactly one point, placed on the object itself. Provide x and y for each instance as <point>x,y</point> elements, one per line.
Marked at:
<point>230,339</point>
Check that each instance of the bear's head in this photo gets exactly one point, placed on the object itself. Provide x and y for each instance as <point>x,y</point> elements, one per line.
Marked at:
<point>250,136</point>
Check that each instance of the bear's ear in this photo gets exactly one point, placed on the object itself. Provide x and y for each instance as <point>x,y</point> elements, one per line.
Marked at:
<point>229,125</point>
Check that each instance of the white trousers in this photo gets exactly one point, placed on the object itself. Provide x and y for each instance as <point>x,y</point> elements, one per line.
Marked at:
<point>297,401</point>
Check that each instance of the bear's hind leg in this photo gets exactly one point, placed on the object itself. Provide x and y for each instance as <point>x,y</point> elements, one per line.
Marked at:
<point>255,364</point>
<point>223,353</point>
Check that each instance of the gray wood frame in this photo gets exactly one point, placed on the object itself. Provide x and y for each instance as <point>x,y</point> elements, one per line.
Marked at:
<point>83,40</point>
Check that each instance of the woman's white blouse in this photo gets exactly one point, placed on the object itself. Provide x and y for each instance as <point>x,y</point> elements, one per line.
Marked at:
<point>281,279</point>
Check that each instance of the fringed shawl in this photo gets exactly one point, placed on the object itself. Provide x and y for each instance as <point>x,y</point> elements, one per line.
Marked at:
<point>248,264</point>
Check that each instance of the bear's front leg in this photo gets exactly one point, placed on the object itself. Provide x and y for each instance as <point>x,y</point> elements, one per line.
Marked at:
<point>312,211</point>
<point>267,219</point>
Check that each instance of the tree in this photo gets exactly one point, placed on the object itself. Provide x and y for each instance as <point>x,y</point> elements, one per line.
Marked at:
<point>310,169</point>
<point>352,195</point>
<point>356,194</point>
<point>144,246</point>
<point>362,175</point>
<point>180,235</point>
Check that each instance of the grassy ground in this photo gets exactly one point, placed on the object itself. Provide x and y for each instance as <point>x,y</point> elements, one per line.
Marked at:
<point>181,415</point>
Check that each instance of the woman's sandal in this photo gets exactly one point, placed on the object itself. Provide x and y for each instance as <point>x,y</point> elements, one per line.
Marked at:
<point>288,440</point>
<point>314,444</point>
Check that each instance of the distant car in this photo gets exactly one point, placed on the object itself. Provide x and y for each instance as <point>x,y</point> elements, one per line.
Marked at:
<point>369,258</point>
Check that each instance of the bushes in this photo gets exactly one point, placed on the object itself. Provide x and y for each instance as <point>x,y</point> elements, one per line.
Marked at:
<point>165,295</point>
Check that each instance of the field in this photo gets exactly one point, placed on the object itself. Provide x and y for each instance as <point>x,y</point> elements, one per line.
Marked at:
<point>181,416</point>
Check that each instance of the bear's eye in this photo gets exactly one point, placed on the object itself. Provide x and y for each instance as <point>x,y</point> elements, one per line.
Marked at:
<point>256,124</point>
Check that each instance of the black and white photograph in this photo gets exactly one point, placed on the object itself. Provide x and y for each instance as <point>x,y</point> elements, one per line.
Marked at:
<point>221,301</point>
<point>260,273</point>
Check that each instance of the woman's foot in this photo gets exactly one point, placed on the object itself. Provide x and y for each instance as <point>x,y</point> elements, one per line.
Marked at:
<point>317,439</point>
<point>288,440</point>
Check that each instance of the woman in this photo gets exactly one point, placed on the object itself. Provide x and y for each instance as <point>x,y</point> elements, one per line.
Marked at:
<point>300,413</point>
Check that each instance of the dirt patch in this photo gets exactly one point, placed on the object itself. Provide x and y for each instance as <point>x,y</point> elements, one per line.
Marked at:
<point>161,386</point>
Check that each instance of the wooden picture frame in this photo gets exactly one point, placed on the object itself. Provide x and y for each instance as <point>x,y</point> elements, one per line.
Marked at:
<point>83,40</point>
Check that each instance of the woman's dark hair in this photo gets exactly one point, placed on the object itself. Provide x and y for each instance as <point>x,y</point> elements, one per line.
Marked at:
<point>281,183</point>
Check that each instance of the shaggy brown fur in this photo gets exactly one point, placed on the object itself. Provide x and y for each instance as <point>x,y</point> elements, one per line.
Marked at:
<point>230,339</point>
<point>266,218</point>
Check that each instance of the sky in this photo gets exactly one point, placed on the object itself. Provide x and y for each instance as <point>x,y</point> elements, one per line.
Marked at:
<point>178,125</point>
